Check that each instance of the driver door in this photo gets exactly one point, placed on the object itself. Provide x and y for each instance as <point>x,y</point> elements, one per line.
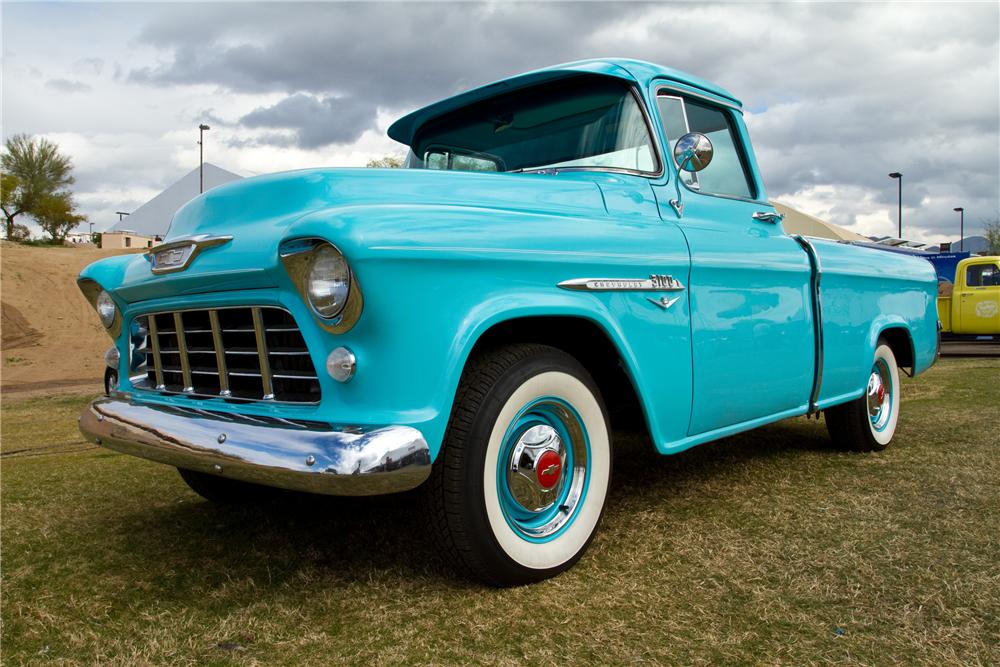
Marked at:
<point>751,318</point>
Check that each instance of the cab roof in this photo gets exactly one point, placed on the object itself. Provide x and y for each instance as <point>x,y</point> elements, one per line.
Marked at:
<point>633,71</point>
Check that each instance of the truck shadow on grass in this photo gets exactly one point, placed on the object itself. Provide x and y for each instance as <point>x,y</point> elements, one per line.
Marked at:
<point>353,540</point>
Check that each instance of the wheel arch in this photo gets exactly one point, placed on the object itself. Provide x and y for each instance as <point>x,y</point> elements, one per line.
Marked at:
<point>598,348</point>
<point>900,341</point>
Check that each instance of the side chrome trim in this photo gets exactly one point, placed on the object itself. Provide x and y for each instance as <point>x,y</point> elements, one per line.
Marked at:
<point>301,456</point>
<point>655,283</point>
<point>178,254</point>
<point>817,310</point>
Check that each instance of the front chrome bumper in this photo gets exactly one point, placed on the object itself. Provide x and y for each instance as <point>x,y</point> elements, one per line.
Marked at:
<point>296,455</point>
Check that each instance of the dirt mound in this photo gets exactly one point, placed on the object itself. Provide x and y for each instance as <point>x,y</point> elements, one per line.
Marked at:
<point>51,335</point>
<point>16,332</point>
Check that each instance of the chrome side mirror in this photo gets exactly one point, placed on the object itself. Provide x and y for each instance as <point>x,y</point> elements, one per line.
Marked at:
<point>693,152</point>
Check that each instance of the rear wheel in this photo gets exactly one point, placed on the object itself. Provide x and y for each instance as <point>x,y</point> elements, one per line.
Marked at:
<point>519,487</point>
<point>221,490</point>
<point>868,423</point>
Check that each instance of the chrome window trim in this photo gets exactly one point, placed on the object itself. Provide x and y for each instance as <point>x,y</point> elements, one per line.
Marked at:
<point>741,149</point>
<point>678,91</point>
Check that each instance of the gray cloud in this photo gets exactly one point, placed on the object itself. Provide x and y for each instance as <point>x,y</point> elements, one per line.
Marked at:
<point>89,66</point>
<point>845,93</point>
<point>67,86</point>
<point>317,121</point>
<point>839,94</point>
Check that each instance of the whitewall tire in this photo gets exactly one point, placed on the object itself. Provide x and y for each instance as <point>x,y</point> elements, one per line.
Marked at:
<point>519,489</point>
<point>868,423</point>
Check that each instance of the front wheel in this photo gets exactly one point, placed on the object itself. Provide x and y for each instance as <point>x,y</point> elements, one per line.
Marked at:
<point>519,487</point>
<point>868,423</point>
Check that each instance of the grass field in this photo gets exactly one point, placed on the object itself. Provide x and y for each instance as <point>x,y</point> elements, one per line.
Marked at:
<point>763,548</point>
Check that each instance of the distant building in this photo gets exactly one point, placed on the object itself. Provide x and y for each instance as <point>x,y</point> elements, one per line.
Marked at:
<point>152,219</point>
<point>127,239</point>
<point>79,238</point>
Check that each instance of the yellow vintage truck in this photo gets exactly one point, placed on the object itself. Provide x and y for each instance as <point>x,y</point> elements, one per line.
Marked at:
<point>973,306</point>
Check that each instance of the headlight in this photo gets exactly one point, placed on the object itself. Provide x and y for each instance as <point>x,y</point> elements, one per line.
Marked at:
<point>329,281</point>
<point>106,309</point>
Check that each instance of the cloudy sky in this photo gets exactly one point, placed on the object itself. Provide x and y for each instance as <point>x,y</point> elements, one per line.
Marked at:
<point>837,95</point>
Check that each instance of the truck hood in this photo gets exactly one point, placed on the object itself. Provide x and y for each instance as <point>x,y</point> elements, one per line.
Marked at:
<point>261,212</point>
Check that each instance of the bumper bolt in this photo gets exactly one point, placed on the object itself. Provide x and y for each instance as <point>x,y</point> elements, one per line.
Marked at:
<point>216,468</point>
<point>310,460</point>
<point>221,438</point>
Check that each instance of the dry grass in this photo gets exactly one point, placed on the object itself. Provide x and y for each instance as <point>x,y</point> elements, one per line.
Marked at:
<point>51,335</point>
<point>763,548</point>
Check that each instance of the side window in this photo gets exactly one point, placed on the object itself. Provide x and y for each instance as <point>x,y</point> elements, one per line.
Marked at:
<point>727,173</point>
<point>982,275</point>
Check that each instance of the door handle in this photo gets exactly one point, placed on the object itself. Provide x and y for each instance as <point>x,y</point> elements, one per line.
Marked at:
<point>768,216</point>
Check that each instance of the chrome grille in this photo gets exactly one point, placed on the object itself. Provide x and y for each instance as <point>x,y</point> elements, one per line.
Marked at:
<point>244,354</point>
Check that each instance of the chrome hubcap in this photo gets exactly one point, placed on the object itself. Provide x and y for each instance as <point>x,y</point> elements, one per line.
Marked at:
<point>542,471</point>
<point>879,394</point>
<point>535,473</point>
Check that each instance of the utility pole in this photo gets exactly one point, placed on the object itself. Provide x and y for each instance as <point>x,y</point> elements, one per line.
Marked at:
<point>201,156</point>
<point>899,177</point>
<point>961,227</point>
<point>121,215</point>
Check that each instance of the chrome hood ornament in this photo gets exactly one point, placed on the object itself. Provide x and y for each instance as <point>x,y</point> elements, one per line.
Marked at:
<point>178,254</point>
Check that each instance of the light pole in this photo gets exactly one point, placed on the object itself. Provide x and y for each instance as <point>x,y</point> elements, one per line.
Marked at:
<point>201,156</point>
<point>961,226</point>
<point>121,215</point>
<point>899,177</point>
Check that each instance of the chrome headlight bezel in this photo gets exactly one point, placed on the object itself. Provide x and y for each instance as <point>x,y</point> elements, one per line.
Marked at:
<point>329,281</point>
<point>106,308</point>
<point>92,290</point>
<point>300,257</point>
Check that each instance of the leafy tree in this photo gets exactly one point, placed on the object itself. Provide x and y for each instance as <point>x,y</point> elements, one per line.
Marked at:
<point>54,213</point>
<point>387,162</point>
<point>33,170</point>
<point>993,235</point>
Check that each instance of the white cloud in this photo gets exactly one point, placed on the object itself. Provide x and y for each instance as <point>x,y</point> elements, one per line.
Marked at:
<point>842,94</point>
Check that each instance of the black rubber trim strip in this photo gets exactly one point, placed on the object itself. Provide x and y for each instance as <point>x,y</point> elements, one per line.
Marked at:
<point>817,310</point>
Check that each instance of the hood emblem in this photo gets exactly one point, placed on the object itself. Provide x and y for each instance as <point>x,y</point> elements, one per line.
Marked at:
<point>178,254</point>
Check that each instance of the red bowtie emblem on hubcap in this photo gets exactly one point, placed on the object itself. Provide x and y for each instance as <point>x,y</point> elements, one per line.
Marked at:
<point>548,469</point>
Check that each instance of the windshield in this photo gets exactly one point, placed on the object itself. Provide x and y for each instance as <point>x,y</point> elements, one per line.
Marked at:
<point>585,122</point>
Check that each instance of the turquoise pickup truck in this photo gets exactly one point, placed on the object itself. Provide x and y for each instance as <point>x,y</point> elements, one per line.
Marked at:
<point>567,249</point>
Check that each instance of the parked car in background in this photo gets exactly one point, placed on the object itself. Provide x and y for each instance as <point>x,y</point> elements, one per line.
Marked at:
<point>565,248</point>
<point>972,309</point>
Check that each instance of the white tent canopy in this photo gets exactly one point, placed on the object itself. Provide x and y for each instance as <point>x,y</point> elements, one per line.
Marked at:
<point>153,218</point>
<point>797,222</point>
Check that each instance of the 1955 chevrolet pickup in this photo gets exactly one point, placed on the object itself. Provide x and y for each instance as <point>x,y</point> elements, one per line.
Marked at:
<point>565,248</point>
